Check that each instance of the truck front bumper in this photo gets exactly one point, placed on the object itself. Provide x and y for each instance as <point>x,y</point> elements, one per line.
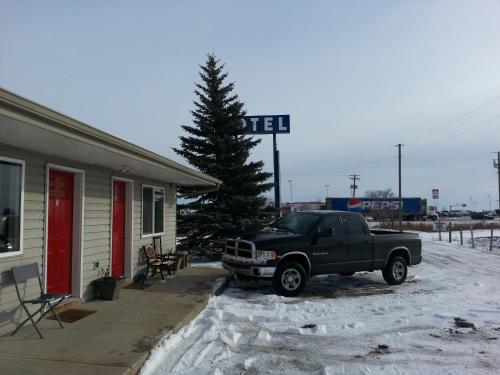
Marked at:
<point>247,266</point>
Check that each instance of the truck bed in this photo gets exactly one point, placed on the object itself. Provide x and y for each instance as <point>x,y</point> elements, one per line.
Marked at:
<point>385,239</point>
<point>378,232</point>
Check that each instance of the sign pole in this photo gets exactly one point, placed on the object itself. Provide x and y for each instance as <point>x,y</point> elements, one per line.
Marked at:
<point>276,161</point>
<point>399,184</point>
<point>270,124</point>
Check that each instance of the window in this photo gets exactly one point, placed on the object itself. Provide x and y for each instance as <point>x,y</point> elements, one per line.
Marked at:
<point>153,201</point>
<point>11,206</point>
<point>334,222</point>
<point>296,223</point>
<point>355,225</point>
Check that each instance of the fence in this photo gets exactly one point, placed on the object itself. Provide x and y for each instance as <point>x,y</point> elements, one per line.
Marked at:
<point>478,236</point>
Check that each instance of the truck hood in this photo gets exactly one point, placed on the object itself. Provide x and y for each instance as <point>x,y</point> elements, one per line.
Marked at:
<point>266,238</point>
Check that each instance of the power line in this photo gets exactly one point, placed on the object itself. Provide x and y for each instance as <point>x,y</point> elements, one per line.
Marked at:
<point>387,149</point>
<point>362,163</point>
<point>347,166</point>
<point>364,153</point>
<point>475,109</point>
<point>458,134</point>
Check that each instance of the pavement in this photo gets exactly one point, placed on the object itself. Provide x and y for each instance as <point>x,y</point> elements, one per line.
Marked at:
<point>118,338</point>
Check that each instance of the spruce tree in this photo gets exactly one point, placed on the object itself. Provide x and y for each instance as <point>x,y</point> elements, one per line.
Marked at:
<point>216,144</point>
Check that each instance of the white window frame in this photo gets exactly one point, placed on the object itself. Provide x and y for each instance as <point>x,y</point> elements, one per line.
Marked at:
<point>143,235</point>
<point>21,226</point>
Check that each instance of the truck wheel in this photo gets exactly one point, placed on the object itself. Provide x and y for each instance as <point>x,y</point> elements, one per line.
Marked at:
<point>395,271</point>
<point>289,279</point>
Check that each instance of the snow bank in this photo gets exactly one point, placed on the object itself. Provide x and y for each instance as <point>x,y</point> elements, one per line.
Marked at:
<point>350,325</point>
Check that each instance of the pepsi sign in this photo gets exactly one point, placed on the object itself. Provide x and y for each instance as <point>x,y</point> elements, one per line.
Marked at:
<point>270,124</point>
<point>355,205</point>
<point>367,205</point>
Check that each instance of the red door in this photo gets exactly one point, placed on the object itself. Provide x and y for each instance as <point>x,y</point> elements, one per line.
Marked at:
<point>118,246</point>
<point>60,232</point>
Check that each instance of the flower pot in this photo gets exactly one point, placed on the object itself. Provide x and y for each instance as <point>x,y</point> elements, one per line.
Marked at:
<point>106,288</point>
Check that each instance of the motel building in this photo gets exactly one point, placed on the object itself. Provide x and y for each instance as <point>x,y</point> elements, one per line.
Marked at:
<point>78,201</point>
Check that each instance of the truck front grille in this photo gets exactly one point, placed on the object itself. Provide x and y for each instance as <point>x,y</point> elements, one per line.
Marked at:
<point>240,248</point>
<point>245,253</point>
<point>244,246</point>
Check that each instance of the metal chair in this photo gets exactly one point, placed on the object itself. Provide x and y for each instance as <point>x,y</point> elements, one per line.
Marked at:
<point>30,271</point>
<point>154,261</point>
<point>169,255</point>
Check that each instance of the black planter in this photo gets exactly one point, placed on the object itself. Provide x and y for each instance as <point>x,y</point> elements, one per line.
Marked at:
<point>106,288</point>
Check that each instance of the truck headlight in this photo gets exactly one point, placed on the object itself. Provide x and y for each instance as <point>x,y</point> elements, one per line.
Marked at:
<point>266,254</point>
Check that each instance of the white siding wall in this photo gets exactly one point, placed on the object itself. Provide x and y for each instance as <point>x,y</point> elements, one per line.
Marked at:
<point>34,201</point>
<point>97,226</point>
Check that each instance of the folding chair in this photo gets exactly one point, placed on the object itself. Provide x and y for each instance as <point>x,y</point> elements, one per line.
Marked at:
<point>156,263</point>
<point>29,271</point>
<point>159,250</point>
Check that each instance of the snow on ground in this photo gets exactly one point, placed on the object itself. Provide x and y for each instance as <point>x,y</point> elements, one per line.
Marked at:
<point>206,264</point>
<point>351,325</point>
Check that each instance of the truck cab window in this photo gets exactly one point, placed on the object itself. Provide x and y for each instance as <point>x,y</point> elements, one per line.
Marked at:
<point>334,223</point>
<point>355,224</point>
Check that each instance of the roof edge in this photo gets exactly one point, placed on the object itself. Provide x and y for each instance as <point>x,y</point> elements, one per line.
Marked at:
<point>60,120</point>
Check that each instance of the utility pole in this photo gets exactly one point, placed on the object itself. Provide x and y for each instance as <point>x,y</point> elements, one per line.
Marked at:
<point>354,177</point>
<point>277,177</point>
<point>496,164</point>
<point>400,196</point>
<point>327,186</point>
<point>291,196</point>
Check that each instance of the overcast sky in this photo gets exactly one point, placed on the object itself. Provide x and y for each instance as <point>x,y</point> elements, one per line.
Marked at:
<point>357,77</point>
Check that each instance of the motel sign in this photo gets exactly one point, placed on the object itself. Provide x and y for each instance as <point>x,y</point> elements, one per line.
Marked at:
<point>270,124</point>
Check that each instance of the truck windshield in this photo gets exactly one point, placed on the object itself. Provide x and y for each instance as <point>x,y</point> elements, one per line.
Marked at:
<point>297,223</point>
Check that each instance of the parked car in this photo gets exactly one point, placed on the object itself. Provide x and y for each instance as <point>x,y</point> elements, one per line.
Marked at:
<point>432,216</point>
<point>304,244</point>
<point>482,216</point>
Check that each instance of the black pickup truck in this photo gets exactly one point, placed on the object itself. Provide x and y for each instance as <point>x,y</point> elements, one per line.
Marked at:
<point>310,243</point>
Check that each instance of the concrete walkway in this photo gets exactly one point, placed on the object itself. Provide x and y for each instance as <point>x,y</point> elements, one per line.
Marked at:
<point>116,339</point>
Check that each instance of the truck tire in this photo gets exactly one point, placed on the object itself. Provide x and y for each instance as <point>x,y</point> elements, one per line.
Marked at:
<point>289,279</point>
<point>395,271</point>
